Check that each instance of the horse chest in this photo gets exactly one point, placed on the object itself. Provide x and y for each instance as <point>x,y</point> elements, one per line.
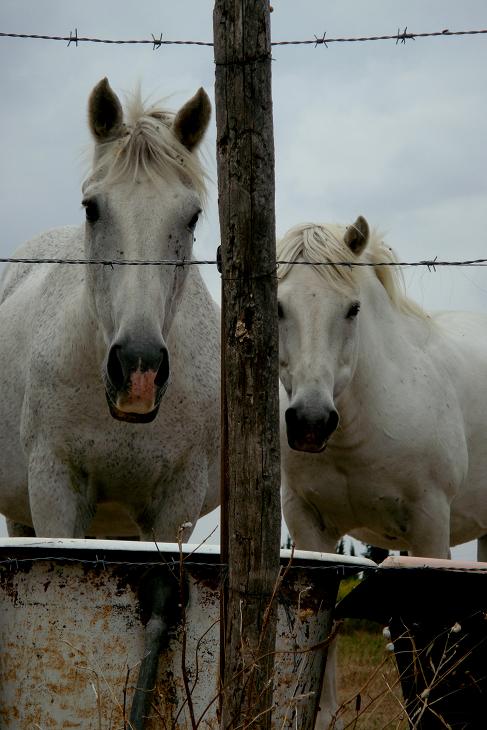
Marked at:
<point>115,461</point>
<point>355,490</point>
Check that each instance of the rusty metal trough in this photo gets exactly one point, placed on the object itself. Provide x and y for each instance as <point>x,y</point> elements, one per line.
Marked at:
<point>75,627</point>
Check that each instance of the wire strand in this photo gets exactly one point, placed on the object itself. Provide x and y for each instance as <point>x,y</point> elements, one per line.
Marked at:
<point>102,562</point>
<point>156,42</point>
<point>430,264</point>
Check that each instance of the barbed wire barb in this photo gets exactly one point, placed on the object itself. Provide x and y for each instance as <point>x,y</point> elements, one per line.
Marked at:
<point>432,264</point>
<point>157,41</point>
<point>73,39</point>
<point>404,36</point>
<point>321,41</point>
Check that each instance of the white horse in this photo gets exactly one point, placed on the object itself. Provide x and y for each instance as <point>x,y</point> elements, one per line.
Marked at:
<point>384,406</point>
<point>109,417</point>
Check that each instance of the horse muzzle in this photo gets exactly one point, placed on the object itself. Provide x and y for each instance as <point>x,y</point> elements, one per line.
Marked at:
<point>135,383</point>
<point>309,433</point>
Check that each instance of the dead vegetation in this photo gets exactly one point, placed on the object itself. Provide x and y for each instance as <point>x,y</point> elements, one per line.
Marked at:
<point>369,692</point>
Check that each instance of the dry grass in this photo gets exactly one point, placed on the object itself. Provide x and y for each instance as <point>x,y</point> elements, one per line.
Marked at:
<point>368,681</point>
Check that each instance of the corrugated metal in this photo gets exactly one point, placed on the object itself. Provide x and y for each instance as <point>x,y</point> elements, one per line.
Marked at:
<point>72,636</point>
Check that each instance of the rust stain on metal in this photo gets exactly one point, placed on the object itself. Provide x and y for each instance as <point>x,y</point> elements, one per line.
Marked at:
<point>69,632</point>
<point>305,614</point>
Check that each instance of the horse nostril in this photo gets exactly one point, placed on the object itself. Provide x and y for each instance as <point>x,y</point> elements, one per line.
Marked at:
<point>332,423</point>
<point>114,368</point>
<point>291,417</point>
<point>163,369</point>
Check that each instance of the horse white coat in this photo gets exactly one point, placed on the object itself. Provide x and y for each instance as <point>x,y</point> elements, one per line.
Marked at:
<point>384,407</point>
<point>90,354</point>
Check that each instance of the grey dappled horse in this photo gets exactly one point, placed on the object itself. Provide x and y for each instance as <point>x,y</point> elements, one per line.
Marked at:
<point>384,406</point>
<point>109,417</point>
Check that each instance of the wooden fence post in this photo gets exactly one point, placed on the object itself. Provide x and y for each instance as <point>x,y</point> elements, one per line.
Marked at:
<point>251,512</point>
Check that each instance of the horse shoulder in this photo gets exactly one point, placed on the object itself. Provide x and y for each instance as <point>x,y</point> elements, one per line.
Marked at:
<point>56,243</point>
<point>459,352</point>
<point>465,345</point>
<point>464,336</point>
<point>407,387</point>
<point>41,314</point>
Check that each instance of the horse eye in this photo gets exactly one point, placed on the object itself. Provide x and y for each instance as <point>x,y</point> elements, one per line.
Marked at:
<point>280,313</point>
<point>354,310</point>
<point>92,210</point>
<point>194,220</point>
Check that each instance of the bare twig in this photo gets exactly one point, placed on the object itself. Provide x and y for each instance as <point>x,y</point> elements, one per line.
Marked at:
<point>182,599</point>
<point>125,698</point>
<point>202,542</point>
<point>163,559</point>
<point>99,673</point>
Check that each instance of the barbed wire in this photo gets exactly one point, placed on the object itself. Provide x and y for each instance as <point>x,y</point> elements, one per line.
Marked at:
<point>430,264</point>
<point>157,41</point>
<point>170,563</point>
<point>74,39</point>
<point>110,262</point>
<point>399,37</point>
<point>174,563</point>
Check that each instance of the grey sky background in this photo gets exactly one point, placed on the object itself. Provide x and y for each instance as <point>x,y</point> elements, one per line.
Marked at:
<point>394,132</point>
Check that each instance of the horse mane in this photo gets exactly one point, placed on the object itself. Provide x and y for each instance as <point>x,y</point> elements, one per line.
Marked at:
<point>147,148</point>
<point>315,243</point>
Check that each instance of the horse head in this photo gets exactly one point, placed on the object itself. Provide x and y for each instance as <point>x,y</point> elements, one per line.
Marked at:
<point>142,202</point>
<point>318,307</point>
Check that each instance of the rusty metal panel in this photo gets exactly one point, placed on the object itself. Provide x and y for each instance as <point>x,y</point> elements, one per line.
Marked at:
<point>72,636</point>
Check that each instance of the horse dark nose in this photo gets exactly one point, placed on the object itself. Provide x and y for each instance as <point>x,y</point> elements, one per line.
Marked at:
<point>136,378</point>
<point>123,360</point>
<point>308,431</point>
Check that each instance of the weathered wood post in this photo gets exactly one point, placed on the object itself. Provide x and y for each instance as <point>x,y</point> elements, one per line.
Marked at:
<point>251,513</point>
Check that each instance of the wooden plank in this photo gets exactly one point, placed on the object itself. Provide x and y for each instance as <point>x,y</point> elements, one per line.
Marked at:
<point>251,513</point>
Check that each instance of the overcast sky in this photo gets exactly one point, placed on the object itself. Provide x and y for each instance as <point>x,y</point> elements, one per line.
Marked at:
<point>394,132</point>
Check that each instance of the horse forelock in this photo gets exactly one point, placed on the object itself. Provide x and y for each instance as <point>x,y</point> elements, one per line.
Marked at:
<point>147,149</point>
<point>316,243</point>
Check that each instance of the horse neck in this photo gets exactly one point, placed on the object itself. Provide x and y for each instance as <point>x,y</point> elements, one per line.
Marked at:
<point>194,315</point>
<point>86,336</point>
<point>389,340</point>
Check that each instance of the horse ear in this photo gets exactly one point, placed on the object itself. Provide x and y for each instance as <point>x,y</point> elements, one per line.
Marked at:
<point>191,121</point>
<point>357,235</point>
<point>105,114</point>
